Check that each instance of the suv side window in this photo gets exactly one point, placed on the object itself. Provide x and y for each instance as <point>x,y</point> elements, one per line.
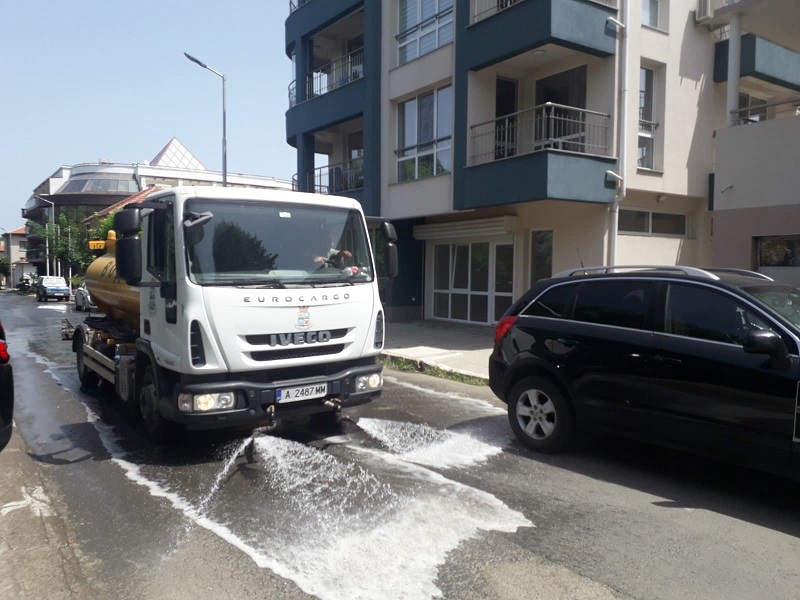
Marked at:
<point>621,303</point>
<point>699,312</point>
<point>555,303</point>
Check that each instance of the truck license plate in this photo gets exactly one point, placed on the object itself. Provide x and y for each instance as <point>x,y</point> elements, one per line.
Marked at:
<point>306,392</point>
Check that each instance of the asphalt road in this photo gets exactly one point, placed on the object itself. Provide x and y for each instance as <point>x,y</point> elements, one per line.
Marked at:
<point>423,494</point>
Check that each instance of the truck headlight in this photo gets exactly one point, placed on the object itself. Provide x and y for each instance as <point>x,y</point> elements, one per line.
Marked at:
<point>206,402</point>
<point>368,383</point>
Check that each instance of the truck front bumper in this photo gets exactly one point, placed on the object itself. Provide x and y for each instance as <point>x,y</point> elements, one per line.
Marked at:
<point>257,404</point>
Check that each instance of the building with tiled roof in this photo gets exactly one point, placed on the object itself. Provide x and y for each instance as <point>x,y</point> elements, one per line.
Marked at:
<point>14,248</point>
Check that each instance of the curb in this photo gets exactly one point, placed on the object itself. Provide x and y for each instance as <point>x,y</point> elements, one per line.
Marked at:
<point>421,365</point>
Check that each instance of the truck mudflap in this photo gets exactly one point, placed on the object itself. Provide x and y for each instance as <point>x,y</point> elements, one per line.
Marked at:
<point>258,404</point>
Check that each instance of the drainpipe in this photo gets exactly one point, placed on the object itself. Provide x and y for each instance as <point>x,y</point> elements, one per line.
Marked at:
<point>622,120</point>
<point>734,67</point>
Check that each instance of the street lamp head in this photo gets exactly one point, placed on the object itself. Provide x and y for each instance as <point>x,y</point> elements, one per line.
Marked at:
<point>195,60</point>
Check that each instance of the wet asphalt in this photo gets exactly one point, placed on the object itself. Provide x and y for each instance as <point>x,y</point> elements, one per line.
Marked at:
<point>422,494</point>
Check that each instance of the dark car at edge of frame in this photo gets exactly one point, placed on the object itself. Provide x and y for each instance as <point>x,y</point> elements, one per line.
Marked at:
<point>6,392</point>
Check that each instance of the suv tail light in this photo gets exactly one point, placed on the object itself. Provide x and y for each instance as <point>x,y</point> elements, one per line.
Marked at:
<point>4,357</point>
<point>502,328</point>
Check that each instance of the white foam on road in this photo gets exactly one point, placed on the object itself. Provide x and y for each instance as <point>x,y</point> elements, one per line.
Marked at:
<point>361,536</point>
<point>425,445</point>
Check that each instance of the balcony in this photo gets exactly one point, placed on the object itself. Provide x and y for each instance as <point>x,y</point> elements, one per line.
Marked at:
<point>760,59</point>
<point>340,178</point>
<point>496,31</point>
<point>756,162</point>
<point>331,76</point>
<point>295,4</point>
<point>548,126</point>
<point>483,9</point>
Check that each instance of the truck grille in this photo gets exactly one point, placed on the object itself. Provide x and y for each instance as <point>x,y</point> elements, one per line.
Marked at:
<point>297,353</point>
<point>263,340</point>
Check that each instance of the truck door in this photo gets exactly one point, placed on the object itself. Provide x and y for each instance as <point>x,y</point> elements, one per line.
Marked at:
<point>160,308</point>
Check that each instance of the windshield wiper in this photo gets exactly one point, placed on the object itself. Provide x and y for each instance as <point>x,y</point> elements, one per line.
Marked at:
<point>313,282</point>
<point>248,284</point>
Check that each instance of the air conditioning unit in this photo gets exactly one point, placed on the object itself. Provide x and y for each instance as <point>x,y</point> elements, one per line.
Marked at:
<point>704,11</point>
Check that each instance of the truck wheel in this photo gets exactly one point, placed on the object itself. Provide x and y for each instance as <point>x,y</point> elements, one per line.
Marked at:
<point>87,377</point>
<point>154,424</point>
<point>540,415</point>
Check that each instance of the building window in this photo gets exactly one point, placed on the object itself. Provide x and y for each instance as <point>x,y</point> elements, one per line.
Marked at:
<point>751,109</point>
<point>779,251</point>
<point>647,124</point>
<point>424,134</point>
<point>651,223</point>
<point>425,25</point>
<point>650,13</point>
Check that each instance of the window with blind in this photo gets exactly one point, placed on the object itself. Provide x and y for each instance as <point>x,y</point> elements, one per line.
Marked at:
<point>425,25</point>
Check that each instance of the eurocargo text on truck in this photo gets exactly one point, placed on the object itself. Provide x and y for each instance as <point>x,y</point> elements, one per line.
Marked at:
<point>230,307</point>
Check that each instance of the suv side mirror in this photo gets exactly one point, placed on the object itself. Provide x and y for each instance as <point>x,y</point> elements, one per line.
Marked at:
<point>767,342</point>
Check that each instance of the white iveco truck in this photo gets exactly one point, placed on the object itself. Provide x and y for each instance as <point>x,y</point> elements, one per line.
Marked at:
<point>229,307</point>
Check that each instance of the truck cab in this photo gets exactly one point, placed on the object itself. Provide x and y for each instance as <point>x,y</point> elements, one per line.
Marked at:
<point>253,306</point>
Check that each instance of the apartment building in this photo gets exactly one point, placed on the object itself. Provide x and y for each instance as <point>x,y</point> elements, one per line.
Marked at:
<point>511,139</point>
<point>756,203</point>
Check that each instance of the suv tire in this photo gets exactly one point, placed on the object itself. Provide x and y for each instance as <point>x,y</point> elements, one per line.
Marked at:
<point>540,415</point>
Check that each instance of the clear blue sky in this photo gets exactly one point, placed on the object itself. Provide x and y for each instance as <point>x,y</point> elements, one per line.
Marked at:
<point>90,79</point>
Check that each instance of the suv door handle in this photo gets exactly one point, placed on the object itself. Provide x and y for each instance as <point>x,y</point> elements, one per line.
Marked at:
<point>667,360</point>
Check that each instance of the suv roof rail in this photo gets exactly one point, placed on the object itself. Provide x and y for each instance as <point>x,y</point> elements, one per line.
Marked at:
<point>694,271</point>
<point>742,272</point>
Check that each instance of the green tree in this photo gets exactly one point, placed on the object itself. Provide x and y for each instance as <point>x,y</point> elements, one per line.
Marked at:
<point>5,266</point>
<point>234,249</point>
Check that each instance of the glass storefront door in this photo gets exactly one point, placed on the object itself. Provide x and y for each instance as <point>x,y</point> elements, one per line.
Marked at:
<point>472,281</point>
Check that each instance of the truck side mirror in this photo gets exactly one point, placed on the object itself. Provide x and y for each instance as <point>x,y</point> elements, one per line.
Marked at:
<point>391,260</point>
<point>129,258</point>
<point>128,221</point>
<point>388,231</point>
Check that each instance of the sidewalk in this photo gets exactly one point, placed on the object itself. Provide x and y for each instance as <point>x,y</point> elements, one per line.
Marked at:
<point>455,347</point>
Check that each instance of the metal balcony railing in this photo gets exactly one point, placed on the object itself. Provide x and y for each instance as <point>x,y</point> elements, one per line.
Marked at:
<point>756,113</point>
<point>337,178</point>
<point>295,4</point>
<point>335,74</point>
<point>483,9</point>
<point>548,126</point>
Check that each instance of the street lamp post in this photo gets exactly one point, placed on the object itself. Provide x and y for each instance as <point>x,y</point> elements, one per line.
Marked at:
<point>224,139</point>
<point>46,238</point>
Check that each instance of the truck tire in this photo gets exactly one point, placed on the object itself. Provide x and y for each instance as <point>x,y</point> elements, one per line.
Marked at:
<point>154,424</point>
<point>88,378</point>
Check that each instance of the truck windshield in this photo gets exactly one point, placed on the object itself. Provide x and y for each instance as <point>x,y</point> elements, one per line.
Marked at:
<point>274,244</point>
<point>782,298</point>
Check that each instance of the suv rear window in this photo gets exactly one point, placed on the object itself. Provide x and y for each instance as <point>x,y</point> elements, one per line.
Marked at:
<point>556,302</point>
<point>620,303</point>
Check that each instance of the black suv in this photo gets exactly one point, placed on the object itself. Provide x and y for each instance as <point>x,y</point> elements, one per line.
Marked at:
<point>700,359</point>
